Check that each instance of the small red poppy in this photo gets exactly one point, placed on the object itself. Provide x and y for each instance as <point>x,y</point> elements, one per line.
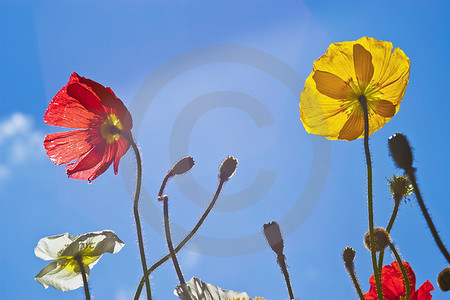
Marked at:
<point>393,286</point>
<point>98,115</point>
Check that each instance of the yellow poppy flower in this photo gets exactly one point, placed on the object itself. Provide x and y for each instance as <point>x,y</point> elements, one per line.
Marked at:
<point>348,72</point>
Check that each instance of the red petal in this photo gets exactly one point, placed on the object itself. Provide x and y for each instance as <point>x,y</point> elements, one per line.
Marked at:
<point>85,96</point>
<point>423,292</point>
<point>409,272</point>
<point>64,147</point>
<point>122,148</point>
<point>87,163</point>
<point>71,108</point>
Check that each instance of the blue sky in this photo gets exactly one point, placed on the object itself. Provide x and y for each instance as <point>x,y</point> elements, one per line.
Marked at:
<point>211,79</point>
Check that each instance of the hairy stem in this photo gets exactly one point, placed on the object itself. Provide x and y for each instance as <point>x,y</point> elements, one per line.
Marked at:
<point>282,263</point>
<point>183,242</point>
<point>402,268</point>
<point>388,230</point>
<point>136,211</point>
<point>363,101</point>
<point>427,216</point>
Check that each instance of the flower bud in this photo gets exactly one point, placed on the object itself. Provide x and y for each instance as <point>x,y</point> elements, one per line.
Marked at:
<point>381,239</point>
<point>400,187</point>
<point>348,255</point>
<point>227,168</point>
<point>401,151</point>
<point>273,235</point>
<point>182,166</point>
<point>444,280</point>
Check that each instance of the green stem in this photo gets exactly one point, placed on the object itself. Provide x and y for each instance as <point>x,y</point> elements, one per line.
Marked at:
<point>388,230</point>
<point>136,211</point>
<point>282,263</point>
<point>169,241</point>
<point>427,216</point>
<point>83,274</point>
<point>351,271</point>
<point>402,268</point>
<point>183,242</point>
<point>363,101</point>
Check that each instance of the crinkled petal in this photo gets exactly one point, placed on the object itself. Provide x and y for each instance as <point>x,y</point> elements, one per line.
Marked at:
<point>205,291</point>
<point>49,248</point>
<point>62,274</point>
<point>391,69</point>
<point>64,147</point>
<point>87,165</point>
<point>363,64</point>
<point>94,244</point>
<point>423,292</point>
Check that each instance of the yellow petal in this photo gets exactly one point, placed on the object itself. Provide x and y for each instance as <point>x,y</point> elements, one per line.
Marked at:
<point>391,69</point>
<point>383,108</point>
<point>331,85</point>
<point>363,64</point>
<point>353,128</point>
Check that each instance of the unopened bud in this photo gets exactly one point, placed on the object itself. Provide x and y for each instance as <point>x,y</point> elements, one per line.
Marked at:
<point>444,280</point>
<point>182,166</point>
<point>227,168</point>
<point>348,255</point>
<point>381,239</point>
<point>401,151</point>
<point>273,235</point>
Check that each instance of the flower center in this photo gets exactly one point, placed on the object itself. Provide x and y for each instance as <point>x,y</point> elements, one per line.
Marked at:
<point>110,128</point>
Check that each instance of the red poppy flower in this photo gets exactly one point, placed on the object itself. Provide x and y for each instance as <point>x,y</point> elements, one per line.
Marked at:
<point>393,286</point>
<point>98,114</point>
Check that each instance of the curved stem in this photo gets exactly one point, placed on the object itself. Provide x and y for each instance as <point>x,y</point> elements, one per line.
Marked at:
<point>136,210</point>
<point>363,101</point>
<point>83,274</point>
<point>351,271</point>
<point>388,230</point>
<point>427,216</point>
<point>183,242</point>
<point>282,263</point>
<point>169,240</point>
<point>402,268</point>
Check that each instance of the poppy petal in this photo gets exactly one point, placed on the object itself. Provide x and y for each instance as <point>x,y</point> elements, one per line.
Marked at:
<point>331,85</point>
<point>353,128</point>
<point>65,111</point>
<point>85,96</point>
<point>363,64</point>
<point>122,148</point>
<point>62,275</point>
<point>49,248</point>
<point>64,147</point>
<point>423,292</point>
<point>383,108</point>
<point>86,164</point>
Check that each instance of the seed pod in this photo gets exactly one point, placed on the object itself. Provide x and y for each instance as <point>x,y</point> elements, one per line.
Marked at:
<point>182,166</point>
<point>381,239</point>
<point>227,168</point>
<point>401,151</point>
<point>444,279</point>
<point>274,238</point>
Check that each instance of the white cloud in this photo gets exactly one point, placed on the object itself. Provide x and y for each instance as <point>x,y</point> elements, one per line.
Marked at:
<point>20,143</point>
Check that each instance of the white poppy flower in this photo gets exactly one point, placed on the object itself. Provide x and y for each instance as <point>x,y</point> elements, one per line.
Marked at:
<point>205,291</point>
<point>64,273</point>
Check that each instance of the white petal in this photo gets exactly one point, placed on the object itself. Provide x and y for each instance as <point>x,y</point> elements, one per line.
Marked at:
<point>49,247</point>
<point>205,291</point>
<point>94,244</point>
<point>62,274</point>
